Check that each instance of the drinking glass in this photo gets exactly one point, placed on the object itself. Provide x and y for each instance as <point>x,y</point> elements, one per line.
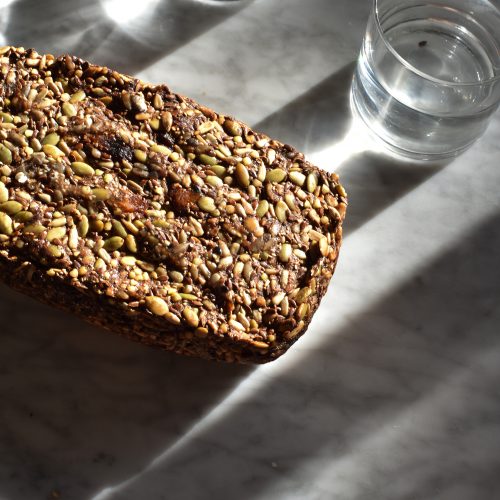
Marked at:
<point>428,75</point>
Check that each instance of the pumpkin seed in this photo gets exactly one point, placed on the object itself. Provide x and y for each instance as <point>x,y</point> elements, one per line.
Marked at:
<point>276,175</point>
<point>52,139</point>
<point>312,182</point>
<point>297,178</point>
<point>242,175</point>
<point>113,243</point>
<point>6,225</point>
<point>68,109</point>
<point>83,226</point>
<point>218,170</point>
<point>156,305</point>
<point>56,233</point>
<point>285,252</point>
<point>33,228</point>
<point>191,317</point>
<point>23,216</point>
<point>207,204</point>
<point>208,160</point>
<point>5,154</point>
<point>101,194</point>
<point>119,229</point>
<point>4,193</point>
<point>11,207</point>
<point>81,168</point>
<point>52,151</point>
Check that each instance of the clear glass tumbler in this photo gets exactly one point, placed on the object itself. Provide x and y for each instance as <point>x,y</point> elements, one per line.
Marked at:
<point>428,75</point>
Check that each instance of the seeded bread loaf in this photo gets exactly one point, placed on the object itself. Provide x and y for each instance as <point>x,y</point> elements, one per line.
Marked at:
<point>155,217</point>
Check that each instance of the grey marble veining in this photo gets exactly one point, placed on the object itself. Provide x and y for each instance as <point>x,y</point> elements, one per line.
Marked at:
<point>393,394</point>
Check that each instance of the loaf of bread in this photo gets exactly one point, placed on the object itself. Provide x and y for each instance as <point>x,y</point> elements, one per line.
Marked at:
<point>152,216</point>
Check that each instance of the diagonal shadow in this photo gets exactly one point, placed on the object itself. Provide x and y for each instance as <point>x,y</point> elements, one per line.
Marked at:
<point>396,355</point>
<point>375,181</point>
<point>86,30</point>
<point>68,389</point>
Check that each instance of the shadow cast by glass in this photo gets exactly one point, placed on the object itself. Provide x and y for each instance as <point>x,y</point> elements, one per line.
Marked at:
<point>375,181</point>
<point>320,120</point>
<point>317,118</point>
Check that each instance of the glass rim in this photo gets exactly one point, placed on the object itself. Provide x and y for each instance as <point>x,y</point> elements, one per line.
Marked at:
<point>415,70</point>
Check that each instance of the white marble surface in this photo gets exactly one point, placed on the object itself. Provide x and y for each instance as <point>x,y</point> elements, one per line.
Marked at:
<point>393,394</point>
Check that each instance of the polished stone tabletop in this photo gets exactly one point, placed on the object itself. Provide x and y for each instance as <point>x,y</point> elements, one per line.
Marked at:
<point>394,392</point>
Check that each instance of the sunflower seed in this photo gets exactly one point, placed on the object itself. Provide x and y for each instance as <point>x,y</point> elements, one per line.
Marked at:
<point>232,127</point>
<point>167,120</point>
<point>52,151</point>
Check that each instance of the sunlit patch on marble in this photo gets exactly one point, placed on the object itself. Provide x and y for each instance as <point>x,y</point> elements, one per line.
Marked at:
<point>4,19</point>
<point>124,12</point>
<point>5,3</point>
<point>221,3</point>
<point>356,141</point>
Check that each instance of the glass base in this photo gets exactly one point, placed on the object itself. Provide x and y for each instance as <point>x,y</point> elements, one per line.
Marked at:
<point>389,136</point>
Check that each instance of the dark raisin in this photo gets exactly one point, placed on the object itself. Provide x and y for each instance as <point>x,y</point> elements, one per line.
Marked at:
<point>166,139</point>
<point>118,149</point>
